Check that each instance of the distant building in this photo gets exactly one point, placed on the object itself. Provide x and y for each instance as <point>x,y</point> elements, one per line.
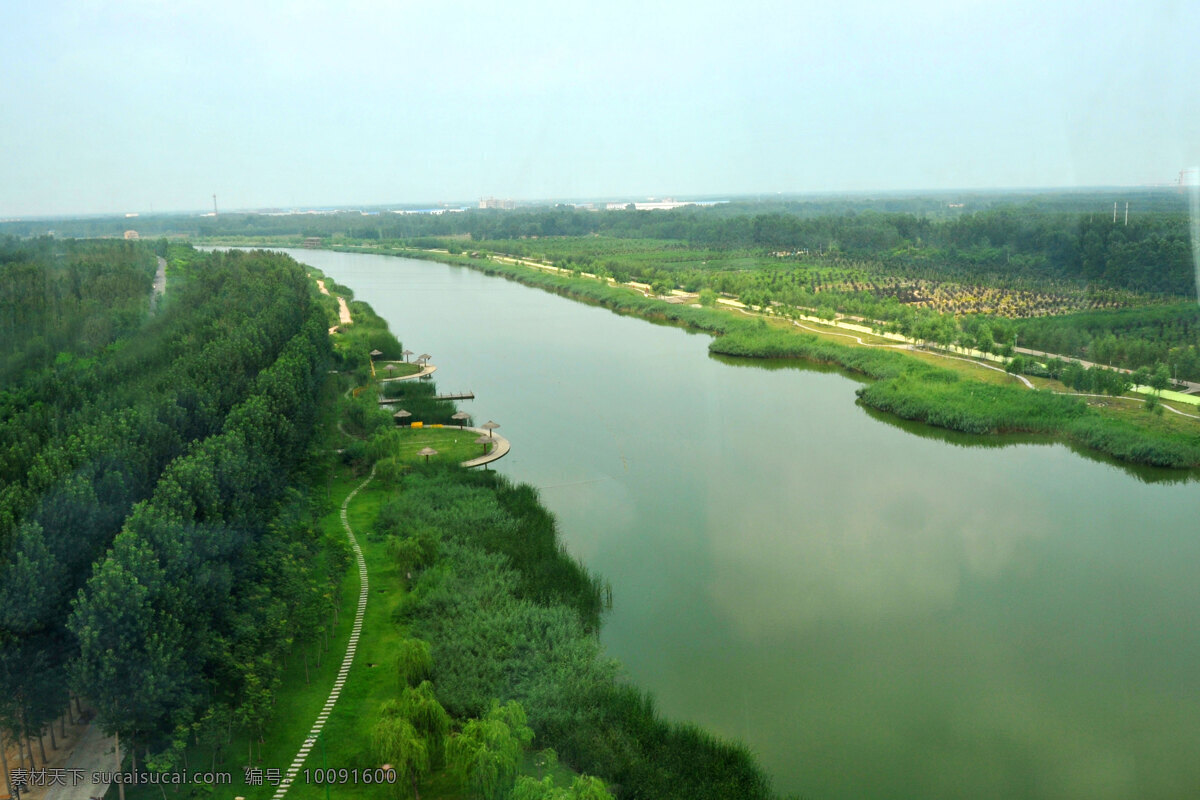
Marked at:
<point>659,205</point>
<point>494,202</point>
<point>131,235</point>
<point>313,242</point>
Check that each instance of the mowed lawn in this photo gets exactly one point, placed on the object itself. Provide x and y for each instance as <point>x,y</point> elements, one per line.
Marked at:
<point>452,444</point>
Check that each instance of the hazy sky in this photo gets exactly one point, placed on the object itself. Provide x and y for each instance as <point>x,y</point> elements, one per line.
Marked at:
<point>158,104</point>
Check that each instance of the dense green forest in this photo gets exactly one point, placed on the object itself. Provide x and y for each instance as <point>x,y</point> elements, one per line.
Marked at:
<point>60,299</point>
<point>158,549</point>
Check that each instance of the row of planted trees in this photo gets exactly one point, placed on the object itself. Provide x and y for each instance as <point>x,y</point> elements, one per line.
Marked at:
<point>159,556</point>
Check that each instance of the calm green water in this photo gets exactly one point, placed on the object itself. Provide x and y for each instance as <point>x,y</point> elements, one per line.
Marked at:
<point>877,613</point>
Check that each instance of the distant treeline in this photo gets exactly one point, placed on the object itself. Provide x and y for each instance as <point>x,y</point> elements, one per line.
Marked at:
<point>1052,236</point>
<point>1150,254</point>
<point>146,477</point>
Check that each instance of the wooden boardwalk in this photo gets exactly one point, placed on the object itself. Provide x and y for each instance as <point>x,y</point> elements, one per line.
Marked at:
<point>389,401</point>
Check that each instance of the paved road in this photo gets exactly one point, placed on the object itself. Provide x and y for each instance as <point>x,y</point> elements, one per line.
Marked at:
<point>160,284</point>
<point>95,754</point>
<point>1192,387</point>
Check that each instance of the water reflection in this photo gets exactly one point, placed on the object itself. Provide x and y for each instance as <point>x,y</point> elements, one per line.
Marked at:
<point>958,439</point>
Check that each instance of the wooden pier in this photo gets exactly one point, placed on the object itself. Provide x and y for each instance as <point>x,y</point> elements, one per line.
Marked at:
<point>387,401</point>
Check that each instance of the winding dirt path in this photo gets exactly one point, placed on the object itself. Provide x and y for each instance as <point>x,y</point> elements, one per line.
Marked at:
<point>858,339</point>
<point>160,284</point>
<point>1130,399</point>
<point>849,336</point>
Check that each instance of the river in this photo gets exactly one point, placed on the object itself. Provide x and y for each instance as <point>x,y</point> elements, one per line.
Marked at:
<point>878,610</point>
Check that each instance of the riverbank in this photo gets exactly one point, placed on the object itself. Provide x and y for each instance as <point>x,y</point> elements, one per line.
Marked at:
<point>935,395</point>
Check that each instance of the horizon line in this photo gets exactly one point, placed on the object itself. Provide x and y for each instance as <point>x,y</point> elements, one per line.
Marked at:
<point>550,201</point>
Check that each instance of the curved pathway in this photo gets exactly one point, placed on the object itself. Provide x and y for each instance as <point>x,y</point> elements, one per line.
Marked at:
<point>1021,378</point>
<point>428,370</point>
<point>858,339</point>
<point>347,660</point>
<point>499,450</point>
<point>1130,399</point>
<point>849,336</point>
<point>344,317</point>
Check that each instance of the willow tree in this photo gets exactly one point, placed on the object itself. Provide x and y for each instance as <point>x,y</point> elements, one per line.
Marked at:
<point>395,741</point>
<point>487,753</point>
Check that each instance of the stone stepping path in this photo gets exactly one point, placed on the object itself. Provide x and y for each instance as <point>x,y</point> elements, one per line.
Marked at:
<point>311,740</point>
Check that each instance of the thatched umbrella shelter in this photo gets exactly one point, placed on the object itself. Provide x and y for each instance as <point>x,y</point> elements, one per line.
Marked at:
<point>391,367</point>
<point>491,426</point>
<point>406,354</point>
<point>401,415</point>
<point>462,417</point>
<point>376,353</point>
<point>485,441</point>
<point>427,452</point>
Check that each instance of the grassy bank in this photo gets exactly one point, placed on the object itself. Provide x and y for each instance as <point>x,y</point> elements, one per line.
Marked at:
<point>903,384</point>
<point>510,616</point>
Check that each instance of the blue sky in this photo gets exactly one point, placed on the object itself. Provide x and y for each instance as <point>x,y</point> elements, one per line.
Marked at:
<point>152,105</point>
